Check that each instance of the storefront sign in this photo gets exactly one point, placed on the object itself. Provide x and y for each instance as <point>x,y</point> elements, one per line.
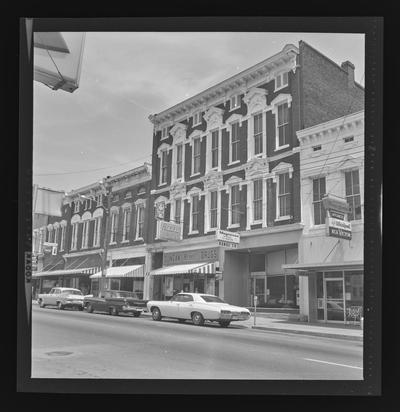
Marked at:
<point>169,230</point>
<point>338,228</point>
<point>191,256</point>
<point>50,248</point>
<point>336,215</point>
<point>160,209</point>
<point>227,239</point>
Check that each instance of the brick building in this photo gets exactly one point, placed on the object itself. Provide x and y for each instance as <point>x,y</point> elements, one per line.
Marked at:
<point>228,158</point>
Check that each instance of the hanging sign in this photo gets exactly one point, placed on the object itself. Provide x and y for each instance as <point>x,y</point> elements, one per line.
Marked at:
<point>227,239</point>
<point>50,248</point>
<point>338,228</point>
<point>336,223</point>
<point>169,230</point>
<point>160,210</point>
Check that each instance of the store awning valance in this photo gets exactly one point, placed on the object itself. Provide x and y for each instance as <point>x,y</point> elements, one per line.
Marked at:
<point>65,272</point>
<point>319,267</point>
<point>85,261</point>
<point>134,271</point>
<point>206,268</point>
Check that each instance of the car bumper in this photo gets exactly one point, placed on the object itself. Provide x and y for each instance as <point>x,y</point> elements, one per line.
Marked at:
<point>234,316</point>
<point>130,309</point>
<point>73,303</point>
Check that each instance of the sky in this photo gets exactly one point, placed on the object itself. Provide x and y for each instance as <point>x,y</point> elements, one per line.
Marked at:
<point>102,128</point>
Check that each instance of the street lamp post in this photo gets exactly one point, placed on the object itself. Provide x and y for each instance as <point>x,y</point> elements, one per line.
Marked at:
<point>107,188</point>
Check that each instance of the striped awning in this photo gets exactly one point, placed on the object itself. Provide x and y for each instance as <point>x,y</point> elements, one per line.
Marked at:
<point>65,272</point>
<point>134,271</point>
<point>205,268</point>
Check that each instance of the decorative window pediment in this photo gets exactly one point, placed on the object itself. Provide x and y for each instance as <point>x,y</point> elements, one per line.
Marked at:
<point>49,226</point>
<point>350,162</point>
<point>234,118</point>
<point>161,199</point>
<point>126,205</point>
<point>178,132</point>
<point>193,191</point>
<point>255,100</point>
<point>196,133</point>
<point>280,168</point>
<point>140,202</point>
<point>234,180</point>
<point>114,209</point>
<point>56,225</point>
<point>282,98</point>
<point>86,216</point>
<point>163,147</point>
<point>177,190</point>
<point>98,213</point>
<point>75,219</point>
<point>213,117</point>
<point>63,223</point>
<point>257,168</point>
<point>213,180</point>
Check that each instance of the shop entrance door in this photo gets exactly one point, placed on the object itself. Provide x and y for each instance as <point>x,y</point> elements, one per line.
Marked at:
<point>334,301</point>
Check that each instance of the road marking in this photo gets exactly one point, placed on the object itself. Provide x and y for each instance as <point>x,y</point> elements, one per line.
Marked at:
<point>332,363</point>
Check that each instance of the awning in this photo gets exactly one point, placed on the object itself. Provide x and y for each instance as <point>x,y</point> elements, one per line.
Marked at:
<point>206,268</point>
<point>134,271</point>
<point>317,267</point>
<point>65,272</point>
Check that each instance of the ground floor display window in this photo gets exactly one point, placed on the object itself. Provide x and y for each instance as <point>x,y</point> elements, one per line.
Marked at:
<point>128,284</point>
<point>340,296</point>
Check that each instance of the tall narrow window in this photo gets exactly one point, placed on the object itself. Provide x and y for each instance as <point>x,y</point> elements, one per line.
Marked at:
<point>140,222</point>
<point>62,240</point>
<point>76,206</point>
<point>50,235</point>
<point>164,166</point>
<point>195,212</point>
<point>235,142</point>
<point>85,234</point>
<point>353,196</point>
<point>127,224</point>
<point>213,209</point>
<point>258,134</point>
<point>96,233</point>
<point>257,200</point>
<point>114,227</point>
<point>284,195</point>
<point>214,148</point>
<point>179,159</point>
<point>283,124</point>
<point>318,193</point>
<point>177,217</point>
<point>74,237</point>
<point>55,235</point>
<point>41,239</point>
<point>235,205</point>
<point>196,155</point>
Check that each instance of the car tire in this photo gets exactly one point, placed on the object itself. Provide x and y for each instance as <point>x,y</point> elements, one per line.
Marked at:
<point>136,314</point>
<point>60,306</point>
<point>156,314</point>
<point>197,319</point>
<point>41,303</point>
<point>224,323</point>
<point>89,308</point>
<point>114,311</point>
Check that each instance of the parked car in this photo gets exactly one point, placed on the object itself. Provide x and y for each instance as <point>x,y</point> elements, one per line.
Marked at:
<point>62,298</point>
<point>115,302</point>
<point>198,307</point>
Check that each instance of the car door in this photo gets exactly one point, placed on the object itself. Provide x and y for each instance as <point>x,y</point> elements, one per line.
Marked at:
<point>53,296</point>
<point>46,297</point>
<point>186,307</point>
<point>171,307</point>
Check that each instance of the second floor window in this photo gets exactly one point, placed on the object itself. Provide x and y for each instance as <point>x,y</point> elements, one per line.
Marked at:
<point>196,155</point>
<point>196,118</point>
<point>179,160</point>
<point>318,193</point>
<point>213,209</point>
<point>195,212</point>
<point>56,230</point>
<point>177,217</point>
<point>114,227</point>
<point>283,124</point>
<point>164,166</point>
<point>85,234</point>
<point>214,148</point>
<point>235,102</point>
<point>164,132</point>
<point>42,235</point>
<point>62,240</point>
<point>127,224</point>
<point>76,206</point>
<point>283,195</point>
<point>257,200</point>
<point>140,222</point>
<point>96,232</point>
<point>235,142</point>
<point>99,200</point>
<point>353,195</point>
<point>258,134</point>
<point>235,205</point>
<point>50,235</point>
<point>74,236</point>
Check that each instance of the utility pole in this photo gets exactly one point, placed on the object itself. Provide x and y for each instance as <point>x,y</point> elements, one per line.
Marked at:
<point>107,188</point>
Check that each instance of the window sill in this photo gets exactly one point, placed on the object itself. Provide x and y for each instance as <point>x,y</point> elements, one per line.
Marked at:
<point>257,222</point>
<point>233,226</point>
<point>211,230</point>
<point>162,184</point>
<point>235,162</point>
<point>112,243</point>
<point>139,238</point>
<point>195,174</point>
<point>164,138</point>
<point>282,87</point>
<point>193,232</point>
<point>125,241</point>
<point>280,218</point>
<point>281,147</point>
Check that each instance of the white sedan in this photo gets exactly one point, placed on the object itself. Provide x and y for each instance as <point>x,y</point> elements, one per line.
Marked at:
<point>198,307</point>
<point>62,298</point>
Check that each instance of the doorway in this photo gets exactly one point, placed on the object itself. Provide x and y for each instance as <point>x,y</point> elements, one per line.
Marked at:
<point>334,300</point>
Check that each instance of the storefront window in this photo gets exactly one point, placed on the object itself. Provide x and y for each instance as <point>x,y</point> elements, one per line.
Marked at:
<point>354,295</point>
<point>320,296</point>
<point>276,288</point>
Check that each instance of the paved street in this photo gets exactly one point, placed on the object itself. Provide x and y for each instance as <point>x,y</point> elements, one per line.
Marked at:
<point>103,346</point>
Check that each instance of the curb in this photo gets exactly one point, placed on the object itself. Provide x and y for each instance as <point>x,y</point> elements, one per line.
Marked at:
<point>310,333</point>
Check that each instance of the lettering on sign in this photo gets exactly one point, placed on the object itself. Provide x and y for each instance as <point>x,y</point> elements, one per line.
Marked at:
<point>28,267</point>
<point>336,215</point>
<point>169,230</point>
<point>228,244</point>
<point>191,256</point>
<point>338,228</point>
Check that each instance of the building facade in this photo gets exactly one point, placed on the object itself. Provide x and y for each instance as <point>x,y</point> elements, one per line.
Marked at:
<point>229,158</point>
<point>330,268</point>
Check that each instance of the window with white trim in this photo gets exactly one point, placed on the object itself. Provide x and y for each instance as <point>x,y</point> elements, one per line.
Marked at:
<point>281,80</point>
<point>283,125</point>
<point>213,214</point>
<point>195,213</point>
<point>235,142</point>
<point>179,160</point>
<point>76,206</point>
<point>99,200</point>
<point>74,236</point>
<point>62,240</point>
<point>258,133</point>
<point>140,221</point>
<point>319,189</point>
<point>235,205</point>
<point>164,166</point>
<point>258,199</point>
<point>214,148</point>
<point>50,235</point>
<point>353,195</point>
<point>235,102</point>
<point>164,132</point>
<point>114,226</point>
<point>284,195</point>
<point>96,232</point>
<point>55,240</point>
<point>126,224</point>
<point>196,118</point>
<point>196,155</point>
<point>42,235</point>
<point>178,205</point>
<point>85,234</point>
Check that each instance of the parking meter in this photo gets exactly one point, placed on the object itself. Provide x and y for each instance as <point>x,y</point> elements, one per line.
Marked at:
<point>255,308</point>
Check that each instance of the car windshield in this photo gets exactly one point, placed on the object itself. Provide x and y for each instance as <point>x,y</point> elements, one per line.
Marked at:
<point>73,292</point>
<point>210,298</point>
